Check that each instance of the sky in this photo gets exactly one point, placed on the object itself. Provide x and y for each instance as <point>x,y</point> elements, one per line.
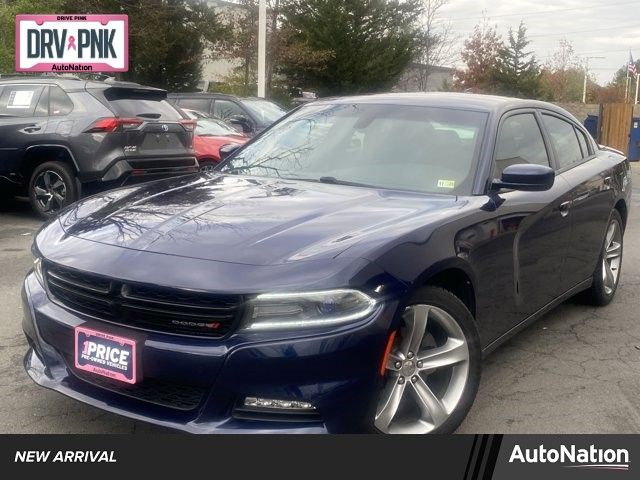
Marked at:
<point>595,28</point>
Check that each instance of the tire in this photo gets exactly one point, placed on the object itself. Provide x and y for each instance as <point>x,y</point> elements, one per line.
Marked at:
<point>453,378</point>
<point>51,188</point>
<point>602,290</point>
<point>206,166</point>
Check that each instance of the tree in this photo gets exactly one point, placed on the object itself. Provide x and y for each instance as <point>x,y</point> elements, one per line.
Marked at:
<point>435,43</point>
<point>480,55</point>
<point>348,46</point>
<point>516,72</point>
<point>166,37</point>
<point>8,12</point>
<point>562,77</point>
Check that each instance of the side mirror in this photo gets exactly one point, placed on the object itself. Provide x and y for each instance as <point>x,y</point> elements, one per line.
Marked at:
<point>527,177</point>
<point>241,121</point>
<point>227,150</point>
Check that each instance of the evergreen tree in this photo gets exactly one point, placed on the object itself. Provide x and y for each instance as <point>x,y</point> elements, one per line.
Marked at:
<point>348,46</point>
<point>517,72</point>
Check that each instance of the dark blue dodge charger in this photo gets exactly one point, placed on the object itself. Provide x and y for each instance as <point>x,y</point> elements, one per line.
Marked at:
<point>345,271</point>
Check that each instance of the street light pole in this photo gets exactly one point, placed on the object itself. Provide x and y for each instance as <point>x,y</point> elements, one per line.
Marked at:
<point>586,75</point>
<point>262,48</point>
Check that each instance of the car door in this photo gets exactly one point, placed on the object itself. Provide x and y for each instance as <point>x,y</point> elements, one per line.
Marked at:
<point>591,195</point>
<point>23,117</point>
<point>536,224</point>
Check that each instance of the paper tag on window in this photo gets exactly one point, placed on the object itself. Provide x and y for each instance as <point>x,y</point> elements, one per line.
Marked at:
<point>446,184</point>
<point>20,99</point>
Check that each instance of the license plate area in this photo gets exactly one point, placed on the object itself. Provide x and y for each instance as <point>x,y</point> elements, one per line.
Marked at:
<point>106,355</point>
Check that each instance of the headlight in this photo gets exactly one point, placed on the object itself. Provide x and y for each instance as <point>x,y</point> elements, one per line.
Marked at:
<point>37,266</point>
<point>272,311</point>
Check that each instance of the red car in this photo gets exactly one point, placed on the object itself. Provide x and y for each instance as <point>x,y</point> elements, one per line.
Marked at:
<point>210,135</point>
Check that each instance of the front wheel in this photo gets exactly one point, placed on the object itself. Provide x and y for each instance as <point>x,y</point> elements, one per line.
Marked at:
<point>433,370</point>
<point>607,274</point>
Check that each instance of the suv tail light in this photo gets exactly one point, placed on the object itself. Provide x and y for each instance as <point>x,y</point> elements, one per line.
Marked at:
<point>113,124</point>
<point>189,125</point>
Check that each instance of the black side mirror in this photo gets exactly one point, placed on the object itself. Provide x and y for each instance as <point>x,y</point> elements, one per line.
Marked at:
<point>527,177</point>
<point>241,121</point>
<point>227,150</point>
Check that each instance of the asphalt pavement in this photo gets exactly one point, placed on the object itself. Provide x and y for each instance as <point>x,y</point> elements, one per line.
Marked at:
<point>576,370</point>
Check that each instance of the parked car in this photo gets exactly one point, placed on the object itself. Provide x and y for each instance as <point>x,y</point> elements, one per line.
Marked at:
<point>252,115</point>
<point>346,271</point>
<point>212,135</point>
<point>62,138</point>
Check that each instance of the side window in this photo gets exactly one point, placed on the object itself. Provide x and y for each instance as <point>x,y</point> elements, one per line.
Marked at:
<point>59,102</point>
<point>519,141</point>
<point>19,100</point>
<point>584,145</point>
<point>199,104</point>
<point>225,109</point>
<point>42,108</point>
<point>564,140</point>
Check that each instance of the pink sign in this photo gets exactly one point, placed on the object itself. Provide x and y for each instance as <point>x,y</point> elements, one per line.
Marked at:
<point>72,43</point>
<point>105,354</point>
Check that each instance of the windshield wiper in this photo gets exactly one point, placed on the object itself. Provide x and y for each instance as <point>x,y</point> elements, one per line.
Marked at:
<point>335,181</point>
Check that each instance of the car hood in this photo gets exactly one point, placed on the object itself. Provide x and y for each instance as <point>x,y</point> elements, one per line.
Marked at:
<point>249,220</point>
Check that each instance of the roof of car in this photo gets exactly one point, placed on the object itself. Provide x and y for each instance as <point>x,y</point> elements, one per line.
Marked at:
<point>72,83</point>
<point>467,101</point>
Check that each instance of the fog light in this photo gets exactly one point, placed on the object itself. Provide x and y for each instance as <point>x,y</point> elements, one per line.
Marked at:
<point>256,402</point>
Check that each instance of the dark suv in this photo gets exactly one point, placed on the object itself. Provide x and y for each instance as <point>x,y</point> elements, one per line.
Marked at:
<point>251,114</point>
<point>61,138</point>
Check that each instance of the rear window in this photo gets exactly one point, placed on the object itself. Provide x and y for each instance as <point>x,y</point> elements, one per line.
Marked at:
<point>131,104</point>
<point>19,100</point>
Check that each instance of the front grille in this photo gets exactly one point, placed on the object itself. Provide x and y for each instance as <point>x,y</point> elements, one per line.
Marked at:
<point>143,306</point>
<point>159,392</point>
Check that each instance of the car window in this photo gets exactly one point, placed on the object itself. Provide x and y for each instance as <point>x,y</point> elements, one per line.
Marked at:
<point>19,100</point>
<point>582,139</point>
<point>59,102</point>
<point>129,103</point>
<point>519,141</point>
<point>212,127</point>
<point>200,104</point>
<point>265,111</point>
<point>424,149</point>
<point>226,109</point>
<point>42,108</point>
<point>564,140</point>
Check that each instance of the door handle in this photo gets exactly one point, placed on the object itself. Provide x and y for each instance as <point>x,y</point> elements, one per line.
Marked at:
<point>564,208</point>
<point>31,129</point>
<point>582,196</point>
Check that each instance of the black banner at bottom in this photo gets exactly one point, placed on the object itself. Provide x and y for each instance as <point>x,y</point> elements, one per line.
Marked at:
<point>457,457</point>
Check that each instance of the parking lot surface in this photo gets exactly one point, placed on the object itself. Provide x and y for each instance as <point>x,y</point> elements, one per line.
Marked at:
<point>577,370</point>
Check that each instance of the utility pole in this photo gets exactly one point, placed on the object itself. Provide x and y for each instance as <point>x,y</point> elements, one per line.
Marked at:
<point>586,75</point>
<point>262,48</point>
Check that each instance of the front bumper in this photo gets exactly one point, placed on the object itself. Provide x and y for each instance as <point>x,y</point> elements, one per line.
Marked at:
<point>335,371</point>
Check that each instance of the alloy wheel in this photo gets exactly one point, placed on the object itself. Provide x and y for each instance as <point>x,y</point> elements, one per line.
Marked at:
<point>50,191</point>
<point>426,372</point>
<point>612,257</point>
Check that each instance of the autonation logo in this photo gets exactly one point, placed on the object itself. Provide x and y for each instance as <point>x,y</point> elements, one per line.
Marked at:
<point>574,457</point>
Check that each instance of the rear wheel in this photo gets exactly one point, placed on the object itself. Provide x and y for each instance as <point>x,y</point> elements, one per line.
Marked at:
<point>607,274</point>
<point>51,188</point>
<point>433,370</point>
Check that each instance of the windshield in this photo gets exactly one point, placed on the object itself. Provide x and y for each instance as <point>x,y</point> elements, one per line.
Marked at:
<point>264,111</point>
<point>423,149</point>
<point>210,127</point>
